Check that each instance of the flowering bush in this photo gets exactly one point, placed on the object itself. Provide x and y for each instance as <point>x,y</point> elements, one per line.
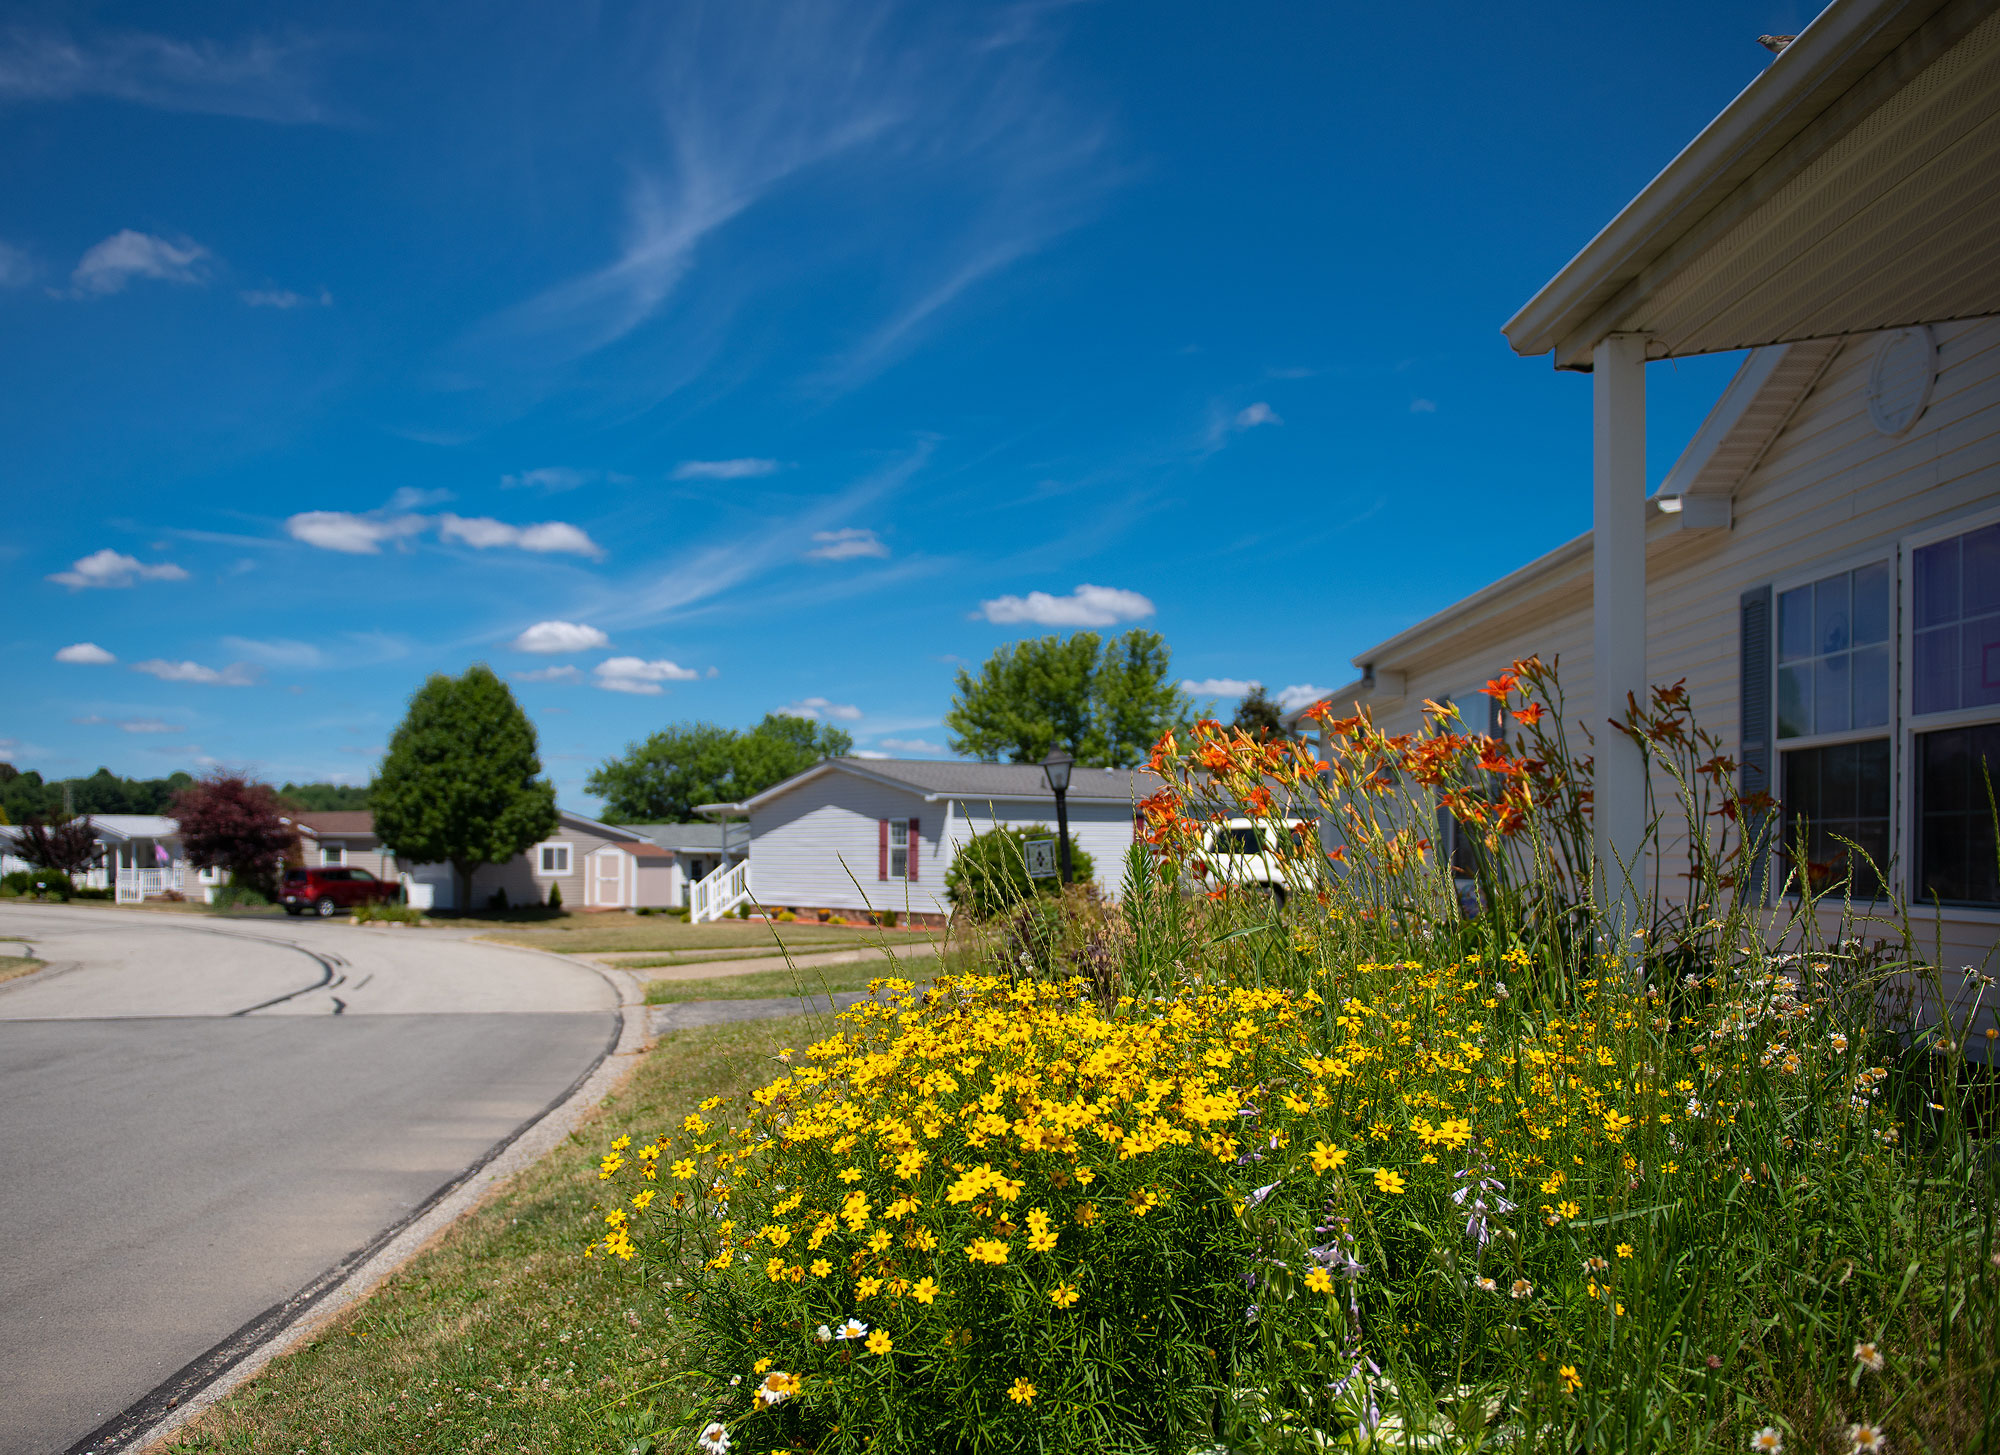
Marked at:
<point>1375,1169</point>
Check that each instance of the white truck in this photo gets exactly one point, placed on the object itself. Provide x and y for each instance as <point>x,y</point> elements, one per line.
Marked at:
<point>1237,851</point>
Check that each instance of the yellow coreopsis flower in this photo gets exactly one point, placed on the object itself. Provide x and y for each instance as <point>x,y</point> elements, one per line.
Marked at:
<point>1326,1157</point>
<point>1389,1182</point>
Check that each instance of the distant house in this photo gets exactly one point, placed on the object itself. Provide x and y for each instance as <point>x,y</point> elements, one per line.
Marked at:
<point>698,849</point>
<point>593,865</point>
<point>141,857</point>
<point>871,834</point>
<point>342,838</point>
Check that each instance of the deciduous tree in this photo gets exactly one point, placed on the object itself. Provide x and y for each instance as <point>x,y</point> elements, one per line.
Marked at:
<point>67,845</point>
<point>1106,703</point>
<point>664,777</point>
<point>461,783</point>
<point>230,822</point>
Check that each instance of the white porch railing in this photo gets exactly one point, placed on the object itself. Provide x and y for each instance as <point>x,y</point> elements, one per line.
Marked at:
<point>719,892</point>
<point>137,885</point>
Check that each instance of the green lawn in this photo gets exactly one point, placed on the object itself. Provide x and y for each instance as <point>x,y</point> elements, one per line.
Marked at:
<point>764,984</point>
<point>606,933</point>
<point>502,1336</point>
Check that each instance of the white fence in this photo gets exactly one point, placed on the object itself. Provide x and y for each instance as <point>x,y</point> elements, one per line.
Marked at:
<point>135,885</point>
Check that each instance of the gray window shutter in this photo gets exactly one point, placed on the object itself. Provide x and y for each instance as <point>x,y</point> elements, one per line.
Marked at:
<point>1753,696</point>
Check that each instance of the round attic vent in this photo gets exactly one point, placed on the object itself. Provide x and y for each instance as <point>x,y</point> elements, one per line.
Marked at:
<point>1900,383</point>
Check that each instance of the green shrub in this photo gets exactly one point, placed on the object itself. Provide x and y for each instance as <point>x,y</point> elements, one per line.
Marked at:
<point>886,918</point>
<point>990,875</point>
<point>401,914</point>
<point>54,884</point>
<point>555,896</point>
<point>236,895</point>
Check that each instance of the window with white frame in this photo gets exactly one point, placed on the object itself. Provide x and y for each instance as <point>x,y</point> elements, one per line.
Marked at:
<point>899,848</point>
<point>332,854</point>
<point>1954,717</point>
<point>1833,720</point>
<point>552,859</point>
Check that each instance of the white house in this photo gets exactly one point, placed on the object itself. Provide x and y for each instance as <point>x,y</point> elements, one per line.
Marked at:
<point>1822,565</point>
<point>140,857</point>
<point>867,835</point>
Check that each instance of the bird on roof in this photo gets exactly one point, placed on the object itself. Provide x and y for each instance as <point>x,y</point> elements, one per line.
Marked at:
<point>1775,43</point>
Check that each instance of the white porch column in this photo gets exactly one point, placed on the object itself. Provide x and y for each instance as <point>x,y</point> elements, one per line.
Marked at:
<point>1618,639</point>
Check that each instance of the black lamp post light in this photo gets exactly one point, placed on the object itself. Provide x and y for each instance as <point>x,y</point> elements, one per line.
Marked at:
<point>1055,767</point>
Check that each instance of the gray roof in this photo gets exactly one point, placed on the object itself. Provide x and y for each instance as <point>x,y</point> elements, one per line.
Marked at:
<point>972,782</point>
<point>684,838</point>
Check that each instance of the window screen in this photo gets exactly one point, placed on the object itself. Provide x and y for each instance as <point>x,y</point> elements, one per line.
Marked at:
<point>1955,623</point>
<point>1832,794</point>
<point>1833,654</point>
<point>899,848</point>
<point>1955,849</point>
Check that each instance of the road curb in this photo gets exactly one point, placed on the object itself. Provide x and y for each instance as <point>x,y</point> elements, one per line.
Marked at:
<point>158,1416</point>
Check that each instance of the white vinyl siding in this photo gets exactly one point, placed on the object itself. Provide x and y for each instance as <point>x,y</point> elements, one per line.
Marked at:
<point>332,853</point>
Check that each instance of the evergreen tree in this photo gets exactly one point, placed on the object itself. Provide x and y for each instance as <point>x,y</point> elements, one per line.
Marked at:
<point>1258,716</point>
<point>461,781</point>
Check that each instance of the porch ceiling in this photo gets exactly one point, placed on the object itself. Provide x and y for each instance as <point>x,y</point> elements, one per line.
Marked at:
<point>1854,186</point>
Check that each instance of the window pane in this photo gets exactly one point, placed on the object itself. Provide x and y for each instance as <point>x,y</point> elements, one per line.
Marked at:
<point>1830,620</point>
<point>1871,687</point>
<point>1794,701</point>
<point>1955,841</point>
<point>1795,632</point>
<point>1935,586</point>
<point>1979,572</point>
<point>899,863</point>
<point>1871,604</point>
<point>1979,645</point>
<point>899,833</point>
<point>1934,671</point>
<point>1830,695</point>
<point>1835,794</point>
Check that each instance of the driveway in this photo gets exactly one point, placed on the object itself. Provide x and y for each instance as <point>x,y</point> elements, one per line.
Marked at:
<point>203,1117</point>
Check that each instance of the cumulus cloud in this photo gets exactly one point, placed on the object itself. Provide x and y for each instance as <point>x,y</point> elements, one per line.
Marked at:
<point>350,534</point>
<point>111,568</point>
<point>87,654</point>
<point>1220,686</point>
<point>550,537</point>
<point>150,725</point>
<point>723,469</point>
<point>1256,414</point>
<point>817,707</point>
<point>126,255</point>
<point>1423,406</point>
<point>845,545</point>
<point>872,754</point>
<point>17,269</point>
<point>285,298</point>
<point>1292,698</point>
<point>236,674</point>
<point>636,675</point>
<point>1086,606</point>
<point>551,674</point>
<point>552,637</point>
<point>911,745</point>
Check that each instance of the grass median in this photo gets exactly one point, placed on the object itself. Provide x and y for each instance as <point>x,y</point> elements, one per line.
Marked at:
<point>502,1335</point>
<point>612,933</point>
<point>807,980</point>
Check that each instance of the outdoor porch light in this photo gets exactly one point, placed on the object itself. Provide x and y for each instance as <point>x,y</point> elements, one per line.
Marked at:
<point>1056,768</point>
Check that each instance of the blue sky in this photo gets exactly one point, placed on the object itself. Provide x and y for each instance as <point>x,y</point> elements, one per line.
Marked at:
<point>697,361</point>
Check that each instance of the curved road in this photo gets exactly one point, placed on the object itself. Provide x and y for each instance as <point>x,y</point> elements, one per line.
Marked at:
<point>199,1117</point>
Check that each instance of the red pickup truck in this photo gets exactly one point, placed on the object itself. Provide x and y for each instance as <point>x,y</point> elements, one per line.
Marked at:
<point>328,891</point>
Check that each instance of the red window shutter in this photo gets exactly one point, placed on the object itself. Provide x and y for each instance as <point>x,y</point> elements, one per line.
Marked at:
<point>882,864</point>
<point>913,851</point>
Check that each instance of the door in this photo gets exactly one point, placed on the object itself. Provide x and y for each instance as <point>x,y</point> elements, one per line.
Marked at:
<point>610,879</point>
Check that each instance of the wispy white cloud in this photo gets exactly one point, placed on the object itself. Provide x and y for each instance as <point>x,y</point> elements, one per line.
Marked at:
<point>1423,406</point>
<point>276,653</point>
<point>845,545</point>
<point>554,479</point>
<point>87,654</point>
<point>109,568</point>
<point>746,469</point>
<point>149,725</point>
<point>550,674</point>
<point>17,269</point>
<point>911,745</point>
<point>260,78</point>
<point>872,754</point>
<point>1253,415</point>
<point>351,534</point>
<point>1299,694</point>
<point>553,637</point>
<point>1220,686</point>
<point>285,298</point>
<point>635,674</point>
<point>107,267</point>
<point>818,707</point>
<point>1086,606</point>
<point>236,674</point>
<point>484,533</point>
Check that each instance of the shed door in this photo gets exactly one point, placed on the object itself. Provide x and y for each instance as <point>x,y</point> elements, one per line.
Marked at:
<point>610,880</point>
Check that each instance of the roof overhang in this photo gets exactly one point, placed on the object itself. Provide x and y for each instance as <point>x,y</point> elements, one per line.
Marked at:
<point>1854,186</point>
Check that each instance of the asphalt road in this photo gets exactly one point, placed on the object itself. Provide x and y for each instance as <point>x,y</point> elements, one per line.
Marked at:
<point>198,1118</point>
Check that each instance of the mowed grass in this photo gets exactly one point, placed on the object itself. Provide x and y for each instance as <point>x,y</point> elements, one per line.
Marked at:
<point>503,1336</point>
<point>598,934</point>
<point>763,984</point>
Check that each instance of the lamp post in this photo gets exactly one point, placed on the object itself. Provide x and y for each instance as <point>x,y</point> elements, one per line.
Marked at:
<point>1055,767</point>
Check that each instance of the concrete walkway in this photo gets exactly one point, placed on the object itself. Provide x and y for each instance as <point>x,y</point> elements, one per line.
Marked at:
<point>916,952</point>
<point>691,1013</point>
